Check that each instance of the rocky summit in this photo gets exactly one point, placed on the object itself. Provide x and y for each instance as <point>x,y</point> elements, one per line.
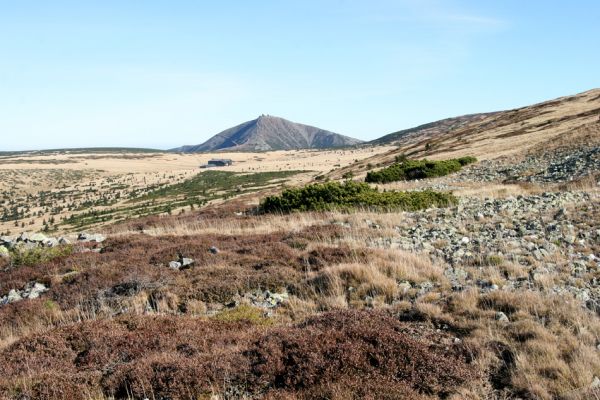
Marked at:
<point>271,133</point>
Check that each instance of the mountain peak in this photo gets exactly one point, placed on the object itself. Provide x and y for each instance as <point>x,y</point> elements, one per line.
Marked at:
<point>268,132</point>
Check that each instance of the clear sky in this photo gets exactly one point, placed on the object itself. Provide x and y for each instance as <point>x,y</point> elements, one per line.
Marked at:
<point>166,73</point>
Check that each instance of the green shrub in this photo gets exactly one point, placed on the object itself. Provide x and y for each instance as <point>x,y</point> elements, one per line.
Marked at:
<point>351,195</point>
<point>418,169</point>
<point>466,160</point>
<point>401,158</point>
<point>38,255</point>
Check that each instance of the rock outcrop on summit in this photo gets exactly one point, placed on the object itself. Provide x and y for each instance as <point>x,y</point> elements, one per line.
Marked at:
<point>271,133</point>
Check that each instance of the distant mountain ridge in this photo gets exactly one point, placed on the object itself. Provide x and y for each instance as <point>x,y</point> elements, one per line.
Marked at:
<point>271,133</point>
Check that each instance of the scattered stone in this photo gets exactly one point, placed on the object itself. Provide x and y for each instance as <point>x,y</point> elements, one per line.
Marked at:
<point>32,290</point>
<point>37,237</point>
<point>570,239</point>
<point>186,262</point>
<point>87,237</point>
<point>404,287</point>
<point>50,242</point>
<point>182,263</point>
<point>561,213</point>
<point>213,250</point>
<point>175,265</point>
<point>500,316</point>
<point>13,296</point>
<point>266,299</point>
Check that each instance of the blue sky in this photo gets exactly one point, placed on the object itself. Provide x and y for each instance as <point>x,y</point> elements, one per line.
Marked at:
<point>167,73</point>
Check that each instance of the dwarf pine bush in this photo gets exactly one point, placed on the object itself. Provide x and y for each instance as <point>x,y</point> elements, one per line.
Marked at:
<point>418,169</point>
<point>351,195</point>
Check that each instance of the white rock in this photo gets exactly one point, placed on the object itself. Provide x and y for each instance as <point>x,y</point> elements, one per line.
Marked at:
<point>186,262</point>
<point>36,290</point>
<point>13,296</point>
<point>500,316</point>
<point>175,265</point>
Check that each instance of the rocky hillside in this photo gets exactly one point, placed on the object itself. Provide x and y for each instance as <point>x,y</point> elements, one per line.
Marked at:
<point>271,133</point>
<point>566,124</point>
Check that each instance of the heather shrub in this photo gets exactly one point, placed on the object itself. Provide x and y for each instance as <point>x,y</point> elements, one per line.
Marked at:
<point>351,354</point>
<point>352,195</point>
<point>406,170</point>
<point>345,346</point>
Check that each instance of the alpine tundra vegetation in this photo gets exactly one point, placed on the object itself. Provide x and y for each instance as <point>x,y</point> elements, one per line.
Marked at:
<point>456,257</point>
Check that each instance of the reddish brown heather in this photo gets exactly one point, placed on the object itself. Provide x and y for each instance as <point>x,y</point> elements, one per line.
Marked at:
<point>350,354</point>
<point>268,261</point>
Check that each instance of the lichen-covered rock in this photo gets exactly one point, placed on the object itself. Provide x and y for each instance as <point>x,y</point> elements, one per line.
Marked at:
<point>38,238</point>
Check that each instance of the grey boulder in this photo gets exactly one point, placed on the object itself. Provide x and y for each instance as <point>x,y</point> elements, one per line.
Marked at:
<point>87,237</point>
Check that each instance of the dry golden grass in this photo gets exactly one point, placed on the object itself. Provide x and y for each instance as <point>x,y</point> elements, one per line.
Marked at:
<point>104,171</point>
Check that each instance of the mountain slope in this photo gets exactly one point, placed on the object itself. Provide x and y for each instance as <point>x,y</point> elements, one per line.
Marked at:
<point>271,133</point>
<point>570,121</point>
<point>431,129</point>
